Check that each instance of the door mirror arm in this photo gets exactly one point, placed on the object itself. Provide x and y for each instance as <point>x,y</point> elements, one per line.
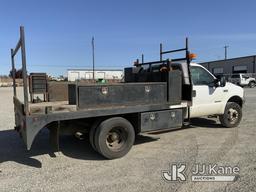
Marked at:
<point>223,82</point>
<point>214,83</point>
<point>218,82</point>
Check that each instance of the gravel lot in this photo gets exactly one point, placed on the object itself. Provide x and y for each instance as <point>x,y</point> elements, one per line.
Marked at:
<point>78,168</point>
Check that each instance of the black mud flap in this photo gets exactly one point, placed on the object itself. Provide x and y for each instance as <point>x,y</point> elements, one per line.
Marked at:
<point>54,137</point>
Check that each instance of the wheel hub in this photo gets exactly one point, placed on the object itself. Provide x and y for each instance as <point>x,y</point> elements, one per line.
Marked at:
<point>232,115</point>
<point>116,138</point>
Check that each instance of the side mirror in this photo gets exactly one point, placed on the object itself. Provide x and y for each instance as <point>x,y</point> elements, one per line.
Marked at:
<point>223,82</point>
<point>216,83</point>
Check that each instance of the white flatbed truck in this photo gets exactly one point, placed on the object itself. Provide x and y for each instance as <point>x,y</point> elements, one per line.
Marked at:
<point>154,96</point>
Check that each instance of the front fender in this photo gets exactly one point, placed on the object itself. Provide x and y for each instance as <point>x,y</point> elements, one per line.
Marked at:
<point>236,99</point>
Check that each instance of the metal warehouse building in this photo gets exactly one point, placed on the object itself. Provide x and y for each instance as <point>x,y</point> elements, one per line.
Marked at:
<point>235,65</point>
<point>78,74</point>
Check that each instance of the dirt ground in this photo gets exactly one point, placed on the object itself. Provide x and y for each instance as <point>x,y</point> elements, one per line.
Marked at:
<point>78,168</point>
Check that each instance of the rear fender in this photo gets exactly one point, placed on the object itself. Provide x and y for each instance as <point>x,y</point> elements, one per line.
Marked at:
<point>32,127</point>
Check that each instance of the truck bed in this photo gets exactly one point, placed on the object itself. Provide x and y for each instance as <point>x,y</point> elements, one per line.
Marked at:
<point>63,107</point>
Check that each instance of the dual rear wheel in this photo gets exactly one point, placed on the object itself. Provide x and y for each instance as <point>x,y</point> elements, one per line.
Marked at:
<point>113,137</point>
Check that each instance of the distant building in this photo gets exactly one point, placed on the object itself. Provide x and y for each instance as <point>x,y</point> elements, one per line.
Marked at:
<point>78,74</point>
<point>235,65</point>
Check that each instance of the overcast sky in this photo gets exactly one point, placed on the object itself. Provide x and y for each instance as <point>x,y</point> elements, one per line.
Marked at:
<point>59,32</point>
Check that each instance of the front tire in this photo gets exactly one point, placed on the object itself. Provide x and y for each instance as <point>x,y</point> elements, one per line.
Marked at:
<point>114,137</point>
<point>252,84</point>
<point>232,115</point>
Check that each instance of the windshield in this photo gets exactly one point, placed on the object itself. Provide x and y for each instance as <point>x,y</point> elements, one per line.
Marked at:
<point>200,76</point>
<point>235,76</point>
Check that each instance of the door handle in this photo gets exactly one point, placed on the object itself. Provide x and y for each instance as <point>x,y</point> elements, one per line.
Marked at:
<point>194,93</point>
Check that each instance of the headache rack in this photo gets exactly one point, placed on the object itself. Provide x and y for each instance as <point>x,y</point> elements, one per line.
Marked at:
<point>187,57</point>
<point>152,71</point>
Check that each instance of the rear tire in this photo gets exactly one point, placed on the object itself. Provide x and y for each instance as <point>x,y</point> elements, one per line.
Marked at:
<point>252,84</point>
<point>92,133</point>
<point>232,115</point>
<point>114,137</point>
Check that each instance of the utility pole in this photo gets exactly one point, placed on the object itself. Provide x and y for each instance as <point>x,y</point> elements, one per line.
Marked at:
<point>93,59</point>
<point>226,51</point>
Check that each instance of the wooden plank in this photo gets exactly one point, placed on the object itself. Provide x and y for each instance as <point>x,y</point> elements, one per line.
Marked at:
<point>51,107</point>
<point>46,104</point>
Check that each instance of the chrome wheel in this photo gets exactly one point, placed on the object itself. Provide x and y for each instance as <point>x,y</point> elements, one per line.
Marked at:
<point>233,115</point>
<point>252,84</point>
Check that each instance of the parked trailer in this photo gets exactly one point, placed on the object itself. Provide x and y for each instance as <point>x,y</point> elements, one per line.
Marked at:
<point>155,96</point>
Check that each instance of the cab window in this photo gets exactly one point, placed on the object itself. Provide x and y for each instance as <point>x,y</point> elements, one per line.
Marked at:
<point>245,77</point>
<point>235,76</point>
<point>200,76</point>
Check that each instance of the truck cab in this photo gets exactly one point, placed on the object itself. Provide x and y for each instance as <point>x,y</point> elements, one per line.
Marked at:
<point>212,96</point>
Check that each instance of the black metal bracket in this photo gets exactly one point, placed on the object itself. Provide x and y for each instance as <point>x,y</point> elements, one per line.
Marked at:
<point>54,136</point>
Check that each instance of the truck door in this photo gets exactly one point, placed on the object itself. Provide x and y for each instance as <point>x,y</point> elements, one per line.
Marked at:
<point>207,98</point>
<point>235,79</point>
<point>244,80</point>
